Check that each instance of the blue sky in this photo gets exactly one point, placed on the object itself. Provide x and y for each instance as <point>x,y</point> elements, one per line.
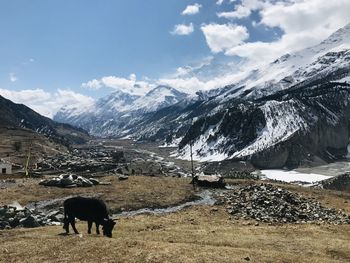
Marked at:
<point>60,44</point>
<point>92,47</point>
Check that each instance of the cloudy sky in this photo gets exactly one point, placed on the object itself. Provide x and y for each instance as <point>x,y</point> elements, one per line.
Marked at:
<point>64,52</point>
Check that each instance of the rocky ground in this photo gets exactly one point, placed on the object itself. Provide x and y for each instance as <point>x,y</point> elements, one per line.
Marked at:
<point>270,204</point>
<point>14,215</point>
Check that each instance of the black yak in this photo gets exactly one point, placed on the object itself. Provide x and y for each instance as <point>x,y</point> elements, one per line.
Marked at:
<point>90,210</point>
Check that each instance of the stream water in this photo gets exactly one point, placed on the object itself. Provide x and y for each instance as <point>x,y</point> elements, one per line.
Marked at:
<point>205,198</point>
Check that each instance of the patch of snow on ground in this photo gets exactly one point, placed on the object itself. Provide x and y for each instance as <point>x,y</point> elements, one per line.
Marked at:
<point>293,176</point>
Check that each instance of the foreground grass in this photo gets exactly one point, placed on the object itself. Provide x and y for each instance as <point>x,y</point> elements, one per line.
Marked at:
<point>199,234</point>
<point>136,192</point>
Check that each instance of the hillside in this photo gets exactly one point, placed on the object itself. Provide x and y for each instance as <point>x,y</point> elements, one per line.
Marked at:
<point>19,116</point>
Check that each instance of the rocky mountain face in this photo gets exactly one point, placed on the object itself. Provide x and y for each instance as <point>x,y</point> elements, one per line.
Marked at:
<point>291,112</point>
<point>18,116</point>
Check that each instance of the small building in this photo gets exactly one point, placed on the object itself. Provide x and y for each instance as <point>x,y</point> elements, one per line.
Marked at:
<point>5,168</point>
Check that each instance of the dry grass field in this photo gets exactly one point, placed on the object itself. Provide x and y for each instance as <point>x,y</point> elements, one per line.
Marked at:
<point>196,234</point>
<point>136,192</point>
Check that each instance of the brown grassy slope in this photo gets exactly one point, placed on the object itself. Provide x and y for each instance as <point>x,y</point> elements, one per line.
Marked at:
<point>193,235</point>
<point>136,192</point>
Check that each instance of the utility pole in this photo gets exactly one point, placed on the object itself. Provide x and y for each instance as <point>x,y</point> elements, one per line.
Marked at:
<point>191,152</point>
<point>192,167</point>
<point>28,159</point>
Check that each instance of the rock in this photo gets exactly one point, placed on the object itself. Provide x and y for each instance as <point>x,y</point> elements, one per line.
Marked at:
<point>123,177</point>
<point>94,181</point>
<point>29,222</point>
<point>16,205</point>
<point>4,224</point>
<point>338,183</point>
<point>213,181</point>
<point>70,181</point>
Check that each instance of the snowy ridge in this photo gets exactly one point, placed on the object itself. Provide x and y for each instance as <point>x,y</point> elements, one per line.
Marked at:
<point>290,69</point>
<point>114,114</point>
<point>282,122</point>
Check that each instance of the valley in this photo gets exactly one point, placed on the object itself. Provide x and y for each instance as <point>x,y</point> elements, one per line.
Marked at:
<point>199,233</point>
<point>217,134</point>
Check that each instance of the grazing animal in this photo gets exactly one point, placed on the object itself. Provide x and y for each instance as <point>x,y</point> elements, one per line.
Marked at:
<point>91,210</point>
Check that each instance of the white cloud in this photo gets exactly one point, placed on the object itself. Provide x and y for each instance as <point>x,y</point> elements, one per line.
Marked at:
<point>128,85</point>
<point>192,9</point>
<point>193,84</point>
<point>13,77</point>
<point>224,37</point>
<point>46,103</point>
<point>304,23</point>
<point>244,9</point>
<point>182,29</point>
<point>92,84</point>
<point>219,2</point>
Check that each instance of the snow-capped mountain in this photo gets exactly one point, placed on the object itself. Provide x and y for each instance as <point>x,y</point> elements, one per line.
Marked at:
<point>293,109</point>
<point>286,113</point>
<point>115,114</point>
<point>301,98</point>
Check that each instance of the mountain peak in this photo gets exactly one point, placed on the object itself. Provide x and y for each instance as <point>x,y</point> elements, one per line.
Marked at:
<point>341,35</point>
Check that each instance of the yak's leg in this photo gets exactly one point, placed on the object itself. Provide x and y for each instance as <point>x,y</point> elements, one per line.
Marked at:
<point>97,228</point>
<point>89,227</point>
<point>72,222</point>
<point>66,225</point>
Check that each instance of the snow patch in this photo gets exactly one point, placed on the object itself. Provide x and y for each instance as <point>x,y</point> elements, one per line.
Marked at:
<point>293,176</point>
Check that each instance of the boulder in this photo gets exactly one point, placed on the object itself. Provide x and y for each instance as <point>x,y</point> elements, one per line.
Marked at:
<point>29,222</point>
<point>123,177</point>
<point>16,206</point>
<point>70,181</point>
<point>212,181</point>
<point>94,181</point>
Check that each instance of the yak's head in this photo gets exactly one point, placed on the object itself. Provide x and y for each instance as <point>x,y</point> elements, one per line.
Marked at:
<point>107,227</point>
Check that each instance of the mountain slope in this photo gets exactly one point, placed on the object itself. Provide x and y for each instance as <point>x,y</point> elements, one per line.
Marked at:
<point>20,116</point>
<point>292,111</point>
<point>117,113</point>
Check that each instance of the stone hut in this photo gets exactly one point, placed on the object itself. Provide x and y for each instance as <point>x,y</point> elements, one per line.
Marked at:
<point>5,168</point>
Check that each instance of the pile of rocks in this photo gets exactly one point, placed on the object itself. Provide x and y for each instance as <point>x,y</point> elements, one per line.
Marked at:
<point>12,216</point>
<point>338,183</point>
<point>69,181</point>
<point>270,204</point>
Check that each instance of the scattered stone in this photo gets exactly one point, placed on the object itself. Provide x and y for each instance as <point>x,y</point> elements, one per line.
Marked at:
<point>16,205</point>
<point>338,183</point>
<point>29,222</point>
<point>94,181</point>
<point>266,203</point>
<point>11,217</point>
<point>123,177</point>
<point>70,181</point>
